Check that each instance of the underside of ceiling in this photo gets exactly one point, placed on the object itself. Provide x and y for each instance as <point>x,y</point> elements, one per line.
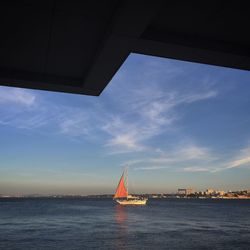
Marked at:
<point>77,46</point>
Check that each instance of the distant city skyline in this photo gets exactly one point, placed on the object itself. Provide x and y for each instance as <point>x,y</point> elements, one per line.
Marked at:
<point>173,123</point>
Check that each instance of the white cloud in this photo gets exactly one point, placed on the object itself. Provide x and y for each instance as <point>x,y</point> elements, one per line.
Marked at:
<point>196,169</point>
<point>200,96</point>
<point>74,125</point>
<point>126,119</point>
<point>215,164</point>
<point>21,104</point>
<point>33,114</point>
<point>194,152</point>
<point>240,162</point>
<point>241,159</point>
<point>151,113</point>
<point>31,122</point>
<point>123,136</point>
<point>16,96</point>
<point>133,162</point>
<point>178,158</point>
<point>151,168</point>
<point>184,152</point>
<point>125,140</point>
<point>148,103</point>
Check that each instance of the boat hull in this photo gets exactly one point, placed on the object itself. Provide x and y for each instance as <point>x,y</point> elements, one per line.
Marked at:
<point>132,202</point>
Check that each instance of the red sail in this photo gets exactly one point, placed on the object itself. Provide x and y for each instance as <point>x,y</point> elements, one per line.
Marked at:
<point>121,191</point>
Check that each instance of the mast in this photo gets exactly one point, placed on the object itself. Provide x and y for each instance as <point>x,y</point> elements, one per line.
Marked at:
<point>126,177</point>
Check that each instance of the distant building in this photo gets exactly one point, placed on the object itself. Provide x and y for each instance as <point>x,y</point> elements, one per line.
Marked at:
<point>220,192</point>
<point>209,191</point>
<point>181,191</point>
<point>185,191</point>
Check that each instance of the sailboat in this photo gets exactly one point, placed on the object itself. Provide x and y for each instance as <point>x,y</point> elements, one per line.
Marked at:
<point>121,195</point>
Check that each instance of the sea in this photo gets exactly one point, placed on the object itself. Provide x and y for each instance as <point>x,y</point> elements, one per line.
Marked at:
<point>80,223</point>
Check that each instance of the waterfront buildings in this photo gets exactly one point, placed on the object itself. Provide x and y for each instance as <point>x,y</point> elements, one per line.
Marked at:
<point>185,191</point>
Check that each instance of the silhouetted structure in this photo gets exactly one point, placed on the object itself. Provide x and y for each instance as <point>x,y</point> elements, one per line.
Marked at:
<point>77,46</point>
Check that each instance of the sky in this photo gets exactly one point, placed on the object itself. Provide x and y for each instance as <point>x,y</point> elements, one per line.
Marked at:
<point>174,124</point>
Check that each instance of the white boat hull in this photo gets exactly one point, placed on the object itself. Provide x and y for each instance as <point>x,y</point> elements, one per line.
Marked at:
<point>135,202</point>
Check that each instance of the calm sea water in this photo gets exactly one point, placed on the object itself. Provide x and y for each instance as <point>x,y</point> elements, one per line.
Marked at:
<point>101,224</point>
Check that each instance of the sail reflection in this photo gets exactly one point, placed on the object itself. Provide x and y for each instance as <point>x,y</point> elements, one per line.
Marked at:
<point>121,216</point>
<point>121,219</point>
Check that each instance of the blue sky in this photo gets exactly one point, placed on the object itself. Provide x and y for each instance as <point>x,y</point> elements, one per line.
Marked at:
<point>175,124</point>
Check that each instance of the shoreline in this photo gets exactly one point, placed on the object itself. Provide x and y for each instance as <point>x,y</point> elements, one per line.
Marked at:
<point>111,197</point>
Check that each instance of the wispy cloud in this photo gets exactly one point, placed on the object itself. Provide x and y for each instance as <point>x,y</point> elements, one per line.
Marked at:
<point>22,108</point>
<point>178,158</point>
<point>123,136</point>
<point>192,151</point>
<point>74,125</point>
<point>196,169</point>
<point>150,115</point>
<point>184,152</point>
<point>151,168</point>
<point>240,162</point>
<point>126,141</point>
<point>27,111</point>
<point>125,121</point>
<point>16,96</point>
<point>200,96</point>
<point>240,159</point>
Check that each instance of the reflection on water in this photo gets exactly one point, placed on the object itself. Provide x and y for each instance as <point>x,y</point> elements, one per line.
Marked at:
<point>121,215</point>
<point>121,218</point>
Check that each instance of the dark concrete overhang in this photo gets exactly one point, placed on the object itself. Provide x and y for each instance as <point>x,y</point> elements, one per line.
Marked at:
<point>77,46</point>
